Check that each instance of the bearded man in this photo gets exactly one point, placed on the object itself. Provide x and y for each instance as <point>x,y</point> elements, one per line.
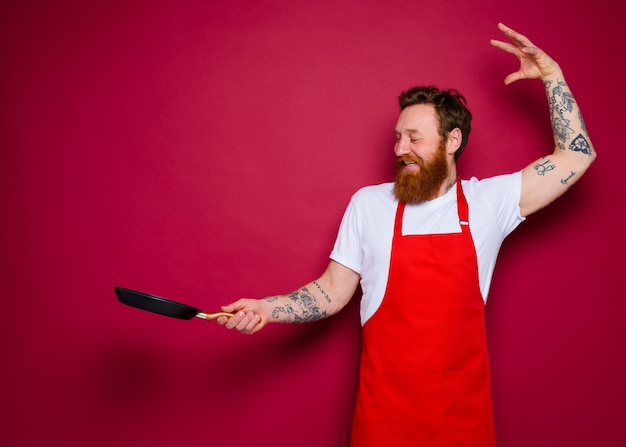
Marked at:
<point>423,249</point>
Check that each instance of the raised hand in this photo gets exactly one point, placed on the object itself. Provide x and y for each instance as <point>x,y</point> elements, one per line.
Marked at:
<point>534,62</point>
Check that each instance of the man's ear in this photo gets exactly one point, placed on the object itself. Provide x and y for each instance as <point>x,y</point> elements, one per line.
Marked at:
<point>455,137</point>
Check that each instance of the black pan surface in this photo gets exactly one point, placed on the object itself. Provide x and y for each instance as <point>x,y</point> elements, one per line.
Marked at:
<point>156,304</point>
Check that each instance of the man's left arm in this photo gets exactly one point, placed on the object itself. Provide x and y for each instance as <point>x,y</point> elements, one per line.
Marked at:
<point>549,177</point>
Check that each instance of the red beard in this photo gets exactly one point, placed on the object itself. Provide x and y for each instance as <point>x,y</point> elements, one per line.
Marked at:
<point>425,184</point>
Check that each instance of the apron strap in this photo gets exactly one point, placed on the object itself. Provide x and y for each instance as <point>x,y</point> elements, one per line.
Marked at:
<point>397,227</point>
<point>462,206</point>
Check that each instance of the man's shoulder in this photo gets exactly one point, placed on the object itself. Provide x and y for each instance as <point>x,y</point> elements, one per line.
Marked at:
<point>381,191</point>
<point>487,184</point>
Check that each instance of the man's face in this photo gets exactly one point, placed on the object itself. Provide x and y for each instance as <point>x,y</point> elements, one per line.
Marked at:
<point>423,162</point>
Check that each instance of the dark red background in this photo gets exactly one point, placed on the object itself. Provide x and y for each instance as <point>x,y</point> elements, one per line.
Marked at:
<point>204,151</point>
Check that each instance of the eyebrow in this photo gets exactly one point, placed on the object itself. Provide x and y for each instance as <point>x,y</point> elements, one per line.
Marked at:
<point>407,131</point>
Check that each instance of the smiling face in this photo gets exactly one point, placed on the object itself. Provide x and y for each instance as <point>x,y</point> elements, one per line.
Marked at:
<point>424,157</point>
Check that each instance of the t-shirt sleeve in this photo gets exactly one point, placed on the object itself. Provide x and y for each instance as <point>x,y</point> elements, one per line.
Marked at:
<point>347,249</point>
<point>503,192</point>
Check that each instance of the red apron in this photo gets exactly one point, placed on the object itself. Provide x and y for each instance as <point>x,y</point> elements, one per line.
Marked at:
<point>424,365</point>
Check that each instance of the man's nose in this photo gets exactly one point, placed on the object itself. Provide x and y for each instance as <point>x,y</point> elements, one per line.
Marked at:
<point>401,147</point>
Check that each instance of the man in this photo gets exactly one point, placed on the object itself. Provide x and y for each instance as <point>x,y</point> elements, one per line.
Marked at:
<point>423,250</point>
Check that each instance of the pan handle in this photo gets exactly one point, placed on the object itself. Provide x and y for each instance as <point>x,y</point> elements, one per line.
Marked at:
<point>206,316</point>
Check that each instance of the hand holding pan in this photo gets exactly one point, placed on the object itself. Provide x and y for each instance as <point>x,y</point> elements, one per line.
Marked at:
<point>162,306</point>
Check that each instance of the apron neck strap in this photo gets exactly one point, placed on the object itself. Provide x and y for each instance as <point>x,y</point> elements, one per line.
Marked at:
<point>462,207</point>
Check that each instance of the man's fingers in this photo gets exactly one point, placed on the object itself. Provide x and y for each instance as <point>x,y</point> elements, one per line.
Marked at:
<point>244,322</point>
<point>516,37</point>
<point>246,316</point>
<point>253,325</point>
<point>509,48</point>
<point>520,40</point>
<point>233,307</point>
<point>512,78</point>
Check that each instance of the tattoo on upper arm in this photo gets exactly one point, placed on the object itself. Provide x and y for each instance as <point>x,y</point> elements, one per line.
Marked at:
<point>322,291</point>
<point>565,180</point>
<point>544,167</point>
<point>303,308</point>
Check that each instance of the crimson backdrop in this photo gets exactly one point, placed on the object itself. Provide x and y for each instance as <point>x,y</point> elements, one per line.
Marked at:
<point>205,151</point>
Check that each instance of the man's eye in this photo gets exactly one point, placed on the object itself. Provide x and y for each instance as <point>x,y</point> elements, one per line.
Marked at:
<point>414,140</point>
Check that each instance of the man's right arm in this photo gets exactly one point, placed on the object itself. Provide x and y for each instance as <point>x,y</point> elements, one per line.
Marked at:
<point>318,299</point>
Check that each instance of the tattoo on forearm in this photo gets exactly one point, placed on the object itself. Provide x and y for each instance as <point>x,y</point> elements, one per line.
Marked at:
<point>322,291</point>
<point>583,126</point>
<point>561,131</point>
<point>544,167</point>
<point>565,180</point>
<point>303,308</point>
<point>561,103</point>
<point>580,144</point>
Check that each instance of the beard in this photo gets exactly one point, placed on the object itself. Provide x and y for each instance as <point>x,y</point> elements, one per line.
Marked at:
<point>425,184</point>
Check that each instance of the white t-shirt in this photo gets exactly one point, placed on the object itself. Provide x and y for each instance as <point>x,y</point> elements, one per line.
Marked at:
<point>366,231</point>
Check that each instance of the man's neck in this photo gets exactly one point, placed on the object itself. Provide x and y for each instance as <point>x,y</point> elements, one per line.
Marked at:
<point>449,182</point>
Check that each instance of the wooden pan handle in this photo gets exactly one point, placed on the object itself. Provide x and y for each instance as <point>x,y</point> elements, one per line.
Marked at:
<point>214,316</point>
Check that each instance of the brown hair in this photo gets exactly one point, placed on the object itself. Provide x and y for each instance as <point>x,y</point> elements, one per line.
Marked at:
<point>450,106</point>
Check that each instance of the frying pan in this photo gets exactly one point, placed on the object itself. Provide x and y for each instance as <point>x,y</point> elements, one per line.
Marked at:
<point>163,306</point>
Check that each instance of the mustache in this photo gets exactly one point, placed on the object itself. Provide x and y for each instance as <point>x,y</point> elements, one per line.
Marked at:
<point>403,160</point>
